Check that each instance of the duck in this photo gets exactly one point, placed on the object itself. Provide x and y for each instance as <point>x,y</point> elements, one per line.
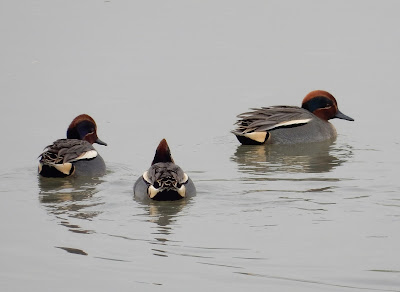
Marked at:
<point>291,124</point>
<point>164,180</point>
<point>75,155</point>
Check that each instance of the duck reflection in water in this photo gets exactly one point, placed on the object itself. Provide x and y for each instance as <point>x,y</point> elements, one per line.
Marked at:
<point>70,198</point>
<point>163,214</point>
<point>302,158</point>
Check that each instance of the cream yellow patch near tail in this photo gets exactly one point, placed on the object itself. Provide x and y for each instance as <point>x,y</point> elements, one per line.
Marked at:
<point>65,168</point>
<point>256,136</point>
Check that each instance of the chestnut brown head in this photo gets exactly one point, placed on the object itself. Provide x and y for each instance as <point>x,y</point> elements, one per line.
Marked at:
<point>83,127</point>
<point>163,154</point>
<point>322,104</point>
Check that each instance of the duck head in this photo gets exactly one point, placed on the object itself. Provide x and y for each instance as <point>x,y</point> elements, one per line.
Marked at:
<point>163,154</point>
<point>322,104</point>
<point>83,127</point>
<point>165,180</point>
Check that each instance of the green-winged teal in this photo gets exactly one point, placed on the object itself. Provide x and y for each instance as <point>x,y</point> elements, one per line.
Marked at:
<point>74,155</point>
<point>291,124</point>
<point>164,180</point>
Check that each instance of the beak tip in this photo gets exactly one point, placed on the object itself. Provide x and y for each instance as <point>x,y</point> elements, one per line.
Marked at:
<point>342,116</point>
<point>98,141</point>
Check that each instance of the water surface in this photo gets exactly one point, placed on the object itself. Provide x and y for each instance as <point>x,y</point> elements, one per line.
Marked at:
<point>321,217</point>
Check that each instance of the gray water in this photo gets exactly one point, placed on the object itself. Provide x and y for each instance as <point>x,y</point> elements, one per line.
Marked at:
<point>321,217</point>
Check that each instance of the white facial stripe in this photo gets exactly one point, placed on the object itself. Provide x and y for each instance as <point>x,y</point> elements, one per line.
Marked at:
<point>294,122</point>
<point>257,136</point>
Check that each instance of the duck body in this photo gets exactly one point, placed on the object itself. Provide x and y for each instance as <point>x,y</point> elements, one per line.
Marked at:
<point>291,124</point>
<point>164,180</point>
<point>74,156</point>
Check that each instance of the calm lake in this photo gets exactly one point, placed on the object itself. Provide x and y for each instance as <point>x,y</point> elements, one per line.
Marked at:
<point>317,217</point>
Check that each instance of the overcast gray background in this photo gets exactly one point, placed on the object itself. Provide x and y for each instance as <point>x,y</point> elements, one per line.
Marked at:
<point>321,218</point>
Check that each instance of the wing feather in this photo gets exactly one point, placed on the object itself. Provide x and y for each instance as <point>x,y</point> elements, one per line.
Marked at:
<point>268,118</point>
<point>66,151</point>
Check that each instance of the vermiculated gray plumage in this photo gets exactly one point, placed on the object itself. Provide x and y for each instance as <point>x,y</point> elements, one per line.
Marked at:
<point>166,175</point>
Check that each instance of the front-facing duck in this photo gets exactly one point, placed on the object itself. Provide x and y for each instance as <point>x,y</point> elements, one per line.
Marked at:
<point>164,180</point>
<point>291,124</point>
<point>74,156</point>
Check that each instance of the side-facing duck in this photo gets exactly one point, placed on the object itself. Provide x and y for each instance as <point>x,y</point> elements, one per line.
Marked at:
<point>74,156</point>
<point>291,124</point>
<point>164,180</point>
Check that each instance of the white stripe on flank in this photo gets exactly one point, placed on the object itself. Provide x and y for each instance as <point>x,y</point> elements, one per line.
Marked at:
<point>146,177</point>
<point>294,122</point>
<point>185,178</point>
<point>87,155</point>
